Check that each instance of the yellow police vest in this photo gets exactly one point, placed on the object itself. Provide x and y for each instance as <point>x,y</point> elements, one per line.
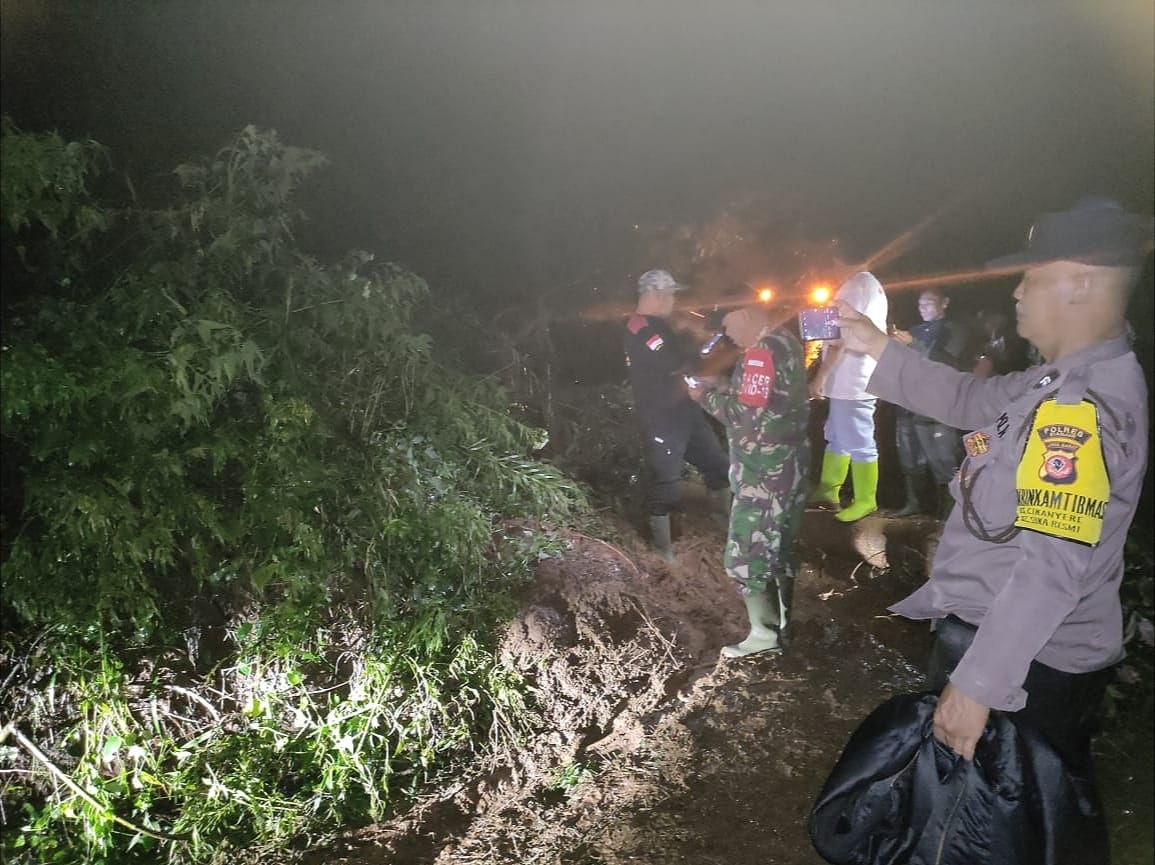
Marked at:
<point>1062,482</point>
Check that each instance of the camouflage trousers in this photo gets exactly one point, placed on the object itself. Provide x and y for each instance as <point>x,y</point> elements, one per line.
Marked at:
<point>769,499</point>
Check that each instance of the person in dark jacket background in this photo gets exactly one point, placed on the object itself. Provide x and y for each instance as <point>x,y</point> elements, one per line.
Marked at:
<point>923,443</point>
<point>676,429</point>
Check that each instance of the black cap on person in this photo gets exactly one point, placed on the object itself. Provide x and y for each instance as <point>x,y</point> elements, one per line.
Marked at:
<point>1097,231</point>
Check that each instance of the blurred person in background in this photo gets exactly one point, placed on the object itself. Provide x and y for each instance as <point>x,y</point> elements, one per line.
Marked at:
<point>676,429</point>
<point>765,409</point>
<point>923,443</point>
<point>995,344</point>
<point>849,431</point>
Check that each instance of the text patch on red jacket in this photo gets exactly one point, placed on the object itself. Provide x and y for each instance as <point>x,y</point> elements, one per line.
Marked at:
<point>757,378</point>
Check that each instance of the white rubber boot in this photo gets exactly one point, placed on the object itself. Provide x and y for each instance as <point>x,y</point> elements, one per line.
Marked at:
<point>660,538</point>
<point>762,638</point>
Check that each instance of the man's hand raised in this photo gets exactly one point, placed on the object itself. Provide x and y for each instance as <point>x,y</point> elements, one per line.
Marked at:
<point>859,332</point>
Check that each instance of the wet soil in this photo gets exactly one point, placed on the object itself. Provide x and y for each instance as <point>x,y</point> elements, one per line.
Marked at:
<point>654,750</point>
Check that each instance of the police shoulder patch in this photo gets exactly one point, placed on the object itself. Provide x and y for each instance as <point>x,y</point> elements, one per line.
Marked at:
<point>1062,481</point>
<point>977,443</point>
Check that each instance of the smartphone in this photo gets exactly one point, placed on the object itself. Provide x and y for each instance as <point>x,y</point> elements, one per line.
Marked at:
<point>819,323</point>
<point>711,343</point>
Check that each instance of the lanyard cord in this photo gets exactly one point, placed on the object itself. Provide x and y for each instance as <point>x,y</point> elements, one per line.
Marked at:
<point>970,514</point>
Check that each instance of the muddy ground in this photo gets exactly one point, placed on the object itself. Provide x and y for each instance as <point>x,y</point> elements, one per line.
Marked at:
<point>656,751</point>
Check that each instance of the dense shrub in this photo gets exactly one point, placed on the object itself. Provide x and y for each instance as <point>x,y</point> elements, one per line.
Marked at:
<point>257,537</point>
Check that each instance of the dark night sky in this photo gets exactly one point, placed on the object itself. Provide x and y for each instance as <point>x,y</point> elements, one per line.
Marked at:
<point>486,143</point>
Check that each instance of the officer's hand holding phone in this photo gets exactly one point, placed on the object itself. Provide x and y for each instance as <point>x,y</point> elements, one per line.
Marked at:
<point>859,332</point>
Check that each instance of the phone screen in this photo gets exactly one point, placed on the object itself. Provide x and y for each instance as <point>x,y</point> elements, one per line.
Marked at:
<point>712,343</point>
<point>819,323</point>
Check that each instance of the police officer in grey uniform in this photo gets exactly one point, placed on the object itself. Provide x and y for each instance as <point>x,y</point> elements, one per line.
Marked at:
<point>1024,588</point>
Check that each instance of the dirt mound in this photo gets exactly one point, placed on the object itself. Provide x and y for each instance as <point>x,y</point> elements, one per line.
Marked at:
<point>650,748</point>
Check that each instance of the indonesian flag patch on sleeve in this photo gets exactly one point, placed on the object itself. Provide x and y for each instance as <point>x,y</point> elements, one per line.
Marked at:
<point>655,343</point>
<point>757,378</point>
<point>1062,480</point>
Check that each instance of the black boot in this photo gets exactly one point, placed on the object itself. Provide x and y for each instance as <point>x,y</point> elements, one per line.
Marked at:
<point>945,502</point>
<point>912,507</point>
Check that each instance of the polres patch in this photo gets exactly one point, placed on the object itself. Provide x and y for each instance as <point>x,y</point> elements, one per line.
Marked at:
<point>1062,482</point>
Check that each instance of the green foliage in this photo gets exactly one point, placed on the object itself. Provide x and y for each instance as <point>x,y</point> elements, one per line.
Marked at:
<point>295,745</point>
<point>573,775</point>
<point>48,183</point>
<point>237,462</point>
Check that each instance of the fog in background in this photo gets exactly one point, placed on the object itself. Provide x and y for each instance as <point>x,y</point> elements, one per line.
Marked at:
<point>503,146</point>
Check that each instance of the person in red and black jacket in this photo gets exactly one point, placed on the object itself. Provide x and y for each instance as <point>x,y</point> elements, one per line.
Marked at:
<point>676,429</point>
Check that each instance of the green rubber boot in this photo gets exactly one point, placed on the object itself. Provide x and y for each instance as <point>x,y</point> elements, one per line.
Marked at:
<point>785,587</point>
<point>865,478</point>
<point>761,609</point>
<point>834,468</point>
<point>660,538</point>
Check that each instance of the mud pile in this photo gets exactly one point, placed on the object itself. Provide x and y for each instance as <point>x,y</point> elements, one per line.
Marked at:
<point>652,750</point>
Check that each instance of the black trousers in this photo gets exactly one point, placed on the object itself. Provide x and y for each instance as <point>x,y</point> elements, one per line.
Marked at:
<point>943,448</point>
<point>1064,707</point>
<point>911,458</point>
<point>924,445</point>
<point>688,438</point>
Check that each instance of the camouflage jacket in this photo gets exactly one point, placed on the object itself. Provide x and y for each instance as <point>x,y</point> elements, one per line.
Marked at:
<point>767,403</point>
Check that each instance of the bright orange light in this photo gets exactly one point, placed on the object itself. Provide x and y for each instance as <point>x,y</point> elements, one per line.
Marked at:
<point>766,295</point>
<point>820,295</point>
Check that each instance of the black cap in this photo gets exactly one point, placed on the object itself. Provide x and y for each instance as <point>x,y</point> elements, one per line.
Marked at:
<point>1095,231</point>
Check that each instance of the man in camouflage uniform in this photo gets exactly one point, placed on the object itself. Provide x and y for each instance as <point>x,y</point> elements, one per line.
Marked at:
<point>765,411</point>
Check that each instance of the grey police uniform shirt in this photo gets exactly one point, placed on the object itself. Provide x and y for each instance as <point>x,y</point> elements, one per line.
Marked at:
<point>1033,596</point>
